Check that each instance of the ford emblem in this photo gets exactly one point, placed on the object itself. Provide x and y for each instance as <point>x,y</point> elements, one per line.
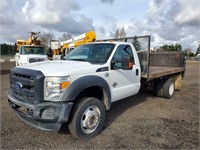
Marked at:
<point>18,85</point>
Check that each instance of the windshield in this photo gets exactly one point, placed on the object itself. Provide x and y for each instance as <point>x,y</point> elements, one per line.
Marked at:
<point>94,53</point>
<point>26,50</point>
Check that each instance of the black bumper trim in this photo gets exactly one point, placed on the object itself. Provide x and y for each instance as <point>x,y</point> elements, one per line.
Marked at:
<point>39,125</point>
<point>35,118</point>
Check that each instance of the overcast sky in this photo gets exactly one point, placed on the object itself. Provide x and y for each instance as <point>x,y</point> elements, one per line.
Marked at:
<point>167,21</point>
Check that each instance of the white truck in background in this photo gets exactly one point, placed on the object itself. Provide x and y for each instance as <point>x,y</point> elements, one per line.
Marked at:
<point>30,54</point>
<point>30,51</point>
<point>80,88</point>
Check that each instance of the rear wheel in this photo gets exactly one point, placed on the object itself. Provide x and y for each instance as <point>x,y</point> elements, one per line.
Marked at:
<point>169,88</point>
<point>165,88</point>
<point>87,118</point>
<point>159,88</point>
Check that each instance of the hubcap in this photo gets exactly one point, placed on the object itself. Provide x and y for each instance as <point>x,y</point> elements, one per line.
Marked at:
<point>171,89</point>
<point>90,119</point>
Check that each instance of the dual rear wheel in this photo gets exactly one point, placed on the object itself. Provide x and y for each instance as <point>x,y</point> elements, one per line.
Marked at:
<point>165,88</point>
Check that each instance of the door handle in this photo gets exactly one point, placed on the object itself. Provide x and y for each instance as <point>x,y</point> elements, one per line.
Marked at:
<point>137,72</point>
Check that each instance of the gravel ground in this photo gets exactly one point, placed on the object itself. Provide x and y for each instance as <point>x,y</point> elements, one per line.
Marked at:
<point>141,121</point>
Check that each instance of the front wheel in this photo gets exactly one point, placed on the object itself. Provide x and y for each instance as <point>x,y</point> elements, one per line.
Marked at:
<point>87,118</point>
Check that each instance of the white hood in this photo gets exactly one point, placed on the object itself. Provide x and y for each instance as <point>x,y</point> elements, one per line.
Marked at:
<point>63,68</point>
<point>24,59</point>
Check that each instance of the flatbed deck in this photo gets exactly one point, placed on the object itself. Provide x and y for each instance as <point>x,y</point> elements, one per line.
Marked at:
<point>159,71</point>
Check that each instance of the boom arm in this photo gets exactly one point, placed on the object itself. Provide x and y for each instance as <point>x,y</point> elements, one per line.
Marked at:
<point>79,40</point>
<point>33,40</point>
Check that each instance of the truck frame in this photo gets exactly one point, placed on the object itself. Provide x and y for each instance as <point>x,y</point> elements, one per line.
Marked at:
<point>79,89</point>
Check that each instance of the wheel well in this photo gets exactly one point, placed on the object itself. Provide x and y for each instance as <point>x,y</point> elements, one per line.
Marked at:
<point>97,92</point>
<point>93,91</point>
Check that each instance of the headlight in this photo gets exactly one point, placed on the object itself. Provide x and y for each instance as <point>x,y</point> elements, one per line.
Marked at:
<point>54,86</point>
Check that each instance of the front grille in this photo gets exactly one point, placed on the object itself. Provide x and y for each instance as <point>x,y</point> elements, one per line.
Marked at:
<point>32,60</point>
<point>27,85</point>
<point>26,92</point>
<point>40,59</point>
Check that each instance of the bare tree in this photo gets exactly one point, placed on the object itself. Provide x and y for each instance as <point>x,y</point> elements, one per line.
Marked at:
<point>117,34</point>
<point>65,36</point>
<point>46,39</point>
<point>120,33</point>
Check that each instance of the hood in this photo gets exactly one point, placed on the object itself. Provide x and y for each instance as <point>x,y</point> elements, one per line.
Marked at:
<point>62,68</point>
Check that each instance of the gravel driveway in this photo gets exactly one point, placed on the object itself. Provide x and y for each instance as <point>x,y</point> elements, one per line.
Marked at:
<point>141,121</point>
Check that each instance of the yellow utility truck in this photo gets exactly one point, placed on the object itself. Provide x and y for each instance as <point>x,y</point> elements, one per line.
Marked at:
<point>64,47</point>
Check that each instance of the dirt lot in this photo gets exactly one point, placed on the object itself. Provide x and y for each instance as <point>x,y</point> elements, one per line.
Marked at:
<point>141,121</point>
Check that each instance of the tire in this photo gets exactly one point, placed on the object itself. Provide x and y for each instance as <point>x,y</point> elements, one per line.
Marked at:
<point>159,88</point>
<point>87,118</point>
<point>169,88</point>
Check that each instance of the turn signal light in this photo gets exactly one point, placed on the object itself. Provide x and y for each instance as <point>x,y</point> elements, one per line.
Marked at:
<point>64,85</point>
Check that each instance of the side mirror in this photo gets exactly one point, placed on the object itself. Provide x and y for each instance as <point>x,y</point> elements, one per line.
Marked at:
<point>127,63</point>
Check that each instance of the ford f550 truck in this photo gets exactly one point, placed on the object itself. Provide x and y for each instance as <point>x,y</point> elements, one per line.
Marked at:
<point>80,88</point>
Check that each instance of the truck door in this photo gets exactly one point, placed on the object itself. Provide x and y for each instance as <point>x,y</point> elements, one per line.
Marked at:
<point>124,83</point>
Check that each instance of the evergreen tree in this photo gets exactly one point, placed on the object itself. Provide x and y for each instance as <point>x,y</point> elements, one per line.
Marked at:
<point>172,47</point>
<point>136,44</point>
<point>198,50</point>
<point>7,49</point>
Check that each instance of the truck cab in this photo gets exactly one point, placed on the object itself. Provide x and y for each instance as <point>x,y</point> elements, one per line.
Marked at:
<point>30,54</point>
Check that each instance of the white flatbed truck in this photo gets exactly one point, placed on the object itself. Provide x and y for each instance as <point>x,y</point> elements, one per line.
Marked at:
<point>79,89</point>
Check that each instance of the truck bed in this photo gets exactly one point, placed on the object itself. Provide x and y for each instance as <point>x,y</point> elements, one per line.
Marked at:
<point>161,64</point>
<point>159,71</point>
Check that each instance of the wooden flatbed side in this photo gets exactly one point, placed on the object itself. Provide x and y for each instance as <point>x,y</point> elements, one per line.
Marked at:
<point>159,71</point>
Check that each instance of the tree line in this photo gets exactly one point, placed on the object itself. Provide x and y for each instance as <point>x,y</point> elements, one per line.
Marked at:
<point>8,49</point>
<point>177,48</point>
